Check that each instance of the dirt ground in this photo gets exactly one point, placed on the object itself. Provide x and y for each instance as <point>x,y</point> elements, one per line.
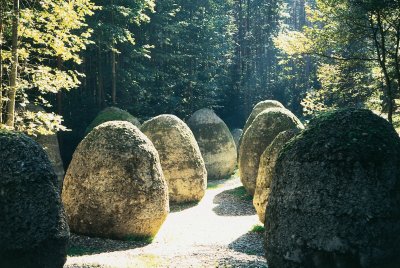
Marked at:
<point>221,231</point>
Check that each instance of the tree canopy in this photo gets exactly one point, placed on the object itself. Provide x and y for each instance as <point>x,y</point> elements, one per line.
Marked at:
<point>150,57</point>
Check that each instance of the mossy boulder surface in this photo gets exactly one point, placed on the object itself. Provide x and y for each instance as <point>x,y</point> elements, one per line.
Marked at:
<point>33,228</point>
<point>114,186</point>
<point>236,134</point>
<point>112,114</point>
<point>334,198</point>
<point>180,156</point>
<point>266,170</point>
<point>260,107</point>
<point>216,143</point>
<point>265,127</point>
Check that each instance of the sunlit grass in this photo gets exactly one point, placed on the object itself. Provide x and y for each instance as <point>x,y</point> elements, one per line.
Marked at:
<point>241,193</point>
<point>258,228</point>
<point>145,239</point>
<point>215,184</point>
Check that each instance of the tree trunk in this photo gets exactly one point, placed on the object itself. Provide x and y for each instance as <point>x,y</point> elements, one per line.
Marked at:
<point>1,60</point>
<point>114,78</point>
<point>59,93</point>
<point>379,42</point>
<point>14,66</point>
<point>100,90</point>
<point>113,63</point>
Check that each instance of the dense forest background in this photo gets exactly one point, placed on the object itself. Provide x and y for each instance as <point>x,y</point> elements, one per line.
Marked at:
<point>76,57</point>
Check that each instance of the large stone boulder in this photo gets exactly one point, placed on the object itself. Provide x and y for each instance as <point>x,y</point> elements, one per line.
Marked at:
<point>216,143</point>
<point>180,156</point>
<point>114,186</point>
<point>265,127</point>
<point>112,114</point>
<point>266,170</point>
<point>260,107</point>
<point>52,148</point>
<point>236,134</point>
<point>33,228</point>
<point>334,198</point>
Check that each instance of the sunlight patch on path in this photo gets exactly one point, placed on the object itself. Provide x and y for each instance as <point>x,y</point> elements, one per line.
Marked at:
<point>195,231</point>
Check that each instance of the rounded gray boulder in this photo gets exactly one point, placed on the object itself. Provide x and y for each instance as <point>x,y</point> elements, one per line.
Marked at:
<point>266,170</point>
<point>112,114</point>
<point>260,107</point>
<point>114,186</point>
<point>33,229</point>
<point>216,143</point>
<point>334,198</point>
<point>265,127</point>
<point>180,156</point>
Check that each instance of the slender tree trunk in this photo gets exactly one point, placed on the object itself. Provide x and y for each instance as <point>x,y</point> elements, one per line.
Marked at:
<point>397,56</point>
<point>114,77</point>
<point>100,85</point>
<point>14,66</point>
<point>59,93</point>
<point>113,64</point>
<point>1,59</point>
<point>379,42</point>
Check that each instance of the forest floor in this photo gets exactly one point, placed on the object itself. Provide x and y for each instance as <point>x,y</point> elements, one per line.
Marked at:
<point>222,230</point>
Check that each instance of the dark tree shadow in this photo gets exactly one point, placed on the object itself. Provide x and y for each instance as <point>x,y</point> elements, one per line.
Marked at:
<point>80,245</point>
<point>234,202</point>
<point>251,243</point>
<point>175,207</point>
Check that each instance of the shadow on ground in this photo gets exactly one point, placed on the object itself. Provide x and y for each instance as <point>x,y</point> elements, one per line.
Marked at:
<point>243,264</point>
<point>234,202</point>
<point>83,245</point>
<point>251,243</point>
<point>175,207</point>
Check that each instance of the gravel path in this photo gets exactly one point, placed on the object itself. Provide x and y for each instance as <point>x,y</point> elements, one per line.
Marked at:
<point>217,232</point>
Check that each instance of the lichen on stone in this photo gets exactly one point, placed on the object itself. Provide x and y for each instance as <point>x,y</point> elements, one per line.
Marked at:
<point>180,156</point>
<point>265,127</point>
<point>33,228</point>
<point>114,186</point>
<point>216,143</point>
<point>334,197</point>
<point>266,171</point>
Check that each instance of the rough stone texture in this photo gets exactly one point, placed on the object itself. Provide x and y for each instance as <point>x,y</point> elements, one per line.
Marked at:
<point>216,143</point>
<point>114,186</point>
<point>112,114</point>
<point>51,146</point>
<point>335,198</point>
<point>258,108</point>
<point>236,134</point>
<point>33,228</point>
<point>266,169</point>
<point>180,156</point>
<point>265,127</point>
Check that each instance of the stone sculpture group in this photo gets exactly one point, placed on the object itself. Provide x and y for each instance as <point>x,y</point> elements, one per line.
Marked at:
<point>328,194</point>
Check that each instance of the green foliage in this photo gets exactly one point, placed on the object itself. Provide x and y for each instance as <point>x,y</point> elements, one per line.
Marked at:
<point>144,239</point>
<point>241,193</point>
<point>51,33</point>
<point>356,46</point>
<point>258,229</point>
